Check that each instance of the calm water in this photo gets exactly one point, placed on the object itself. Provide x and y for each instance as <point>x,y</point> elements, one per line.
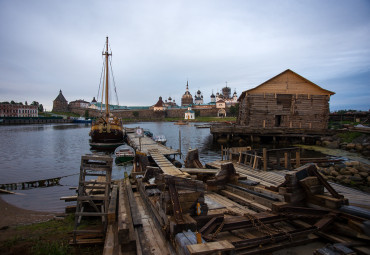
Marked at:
<point>34,152</point>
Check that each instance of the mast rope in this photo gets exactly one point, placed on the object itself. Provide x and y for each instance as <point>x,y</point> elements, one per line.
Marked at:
<point>114,82</point>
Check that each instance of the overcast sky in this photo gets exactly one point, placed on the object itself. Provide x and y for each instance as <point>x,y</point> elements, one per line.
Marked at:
<point>158,45</point>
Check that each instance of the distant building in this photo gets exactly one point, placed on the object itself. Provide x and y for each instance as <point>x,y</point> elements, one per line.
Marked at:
<point>18,110</point>
<point>187,98</point>
<point>213,98</point>
<point>189,114</point>
<point>159,106</point>
<point>226,96</point>
<point>287,100</point>
<point>221,105</point>
<point>60,104</point>
<point>79,104</point>
<point>198,98</point>
<point>169,103</point>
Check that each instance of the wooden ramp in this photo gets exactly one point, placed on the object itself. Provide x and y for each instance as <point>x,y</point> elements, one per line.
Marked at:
<point>167,167</point>
<point>144,144</point>
<point>266,178</point>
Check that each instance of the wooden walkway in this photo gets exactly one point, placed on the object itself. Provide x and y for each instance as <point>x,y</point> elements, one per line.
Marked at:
<point>167,167</point>
<point>266,178</point>
<point>275,178</point>
<point>144,144</point>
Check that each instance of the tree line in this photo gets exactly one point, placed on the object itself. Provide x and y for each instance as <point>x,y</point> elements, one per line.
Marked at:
<point>40,107</point>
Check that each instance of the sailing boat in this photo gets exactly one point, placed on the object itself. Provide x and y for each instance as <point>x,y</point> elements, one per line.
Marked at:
<point>107,130</point>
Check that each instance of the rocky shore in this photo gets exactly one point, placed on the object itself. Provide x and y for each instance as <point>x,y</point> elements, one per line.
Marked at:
<point>351,173</point>
<point>360,144</point>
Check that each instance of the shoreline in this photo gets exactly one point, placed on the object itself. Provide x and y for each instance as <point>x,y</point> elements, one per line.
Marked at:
<point>13,216</point>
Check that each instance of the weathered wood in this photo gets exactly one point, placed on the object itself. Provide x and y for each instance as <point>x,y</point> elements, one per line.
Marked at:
<point>210,248</point>
<point>226,174</point>
<point>136,220</point>
<point>113,206</point>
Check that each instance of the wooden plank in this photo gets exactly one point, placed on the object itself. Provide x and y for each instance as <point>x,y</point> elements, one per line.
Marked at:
<point>113,205</point>
<point>109,241</point>
<point>245,201</point>
<point>136,220</point>
<point>210,248</point>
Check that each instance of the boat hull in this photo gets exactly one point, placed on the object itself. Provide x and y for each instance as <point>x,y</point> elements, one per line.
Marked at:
<point>107,132</point>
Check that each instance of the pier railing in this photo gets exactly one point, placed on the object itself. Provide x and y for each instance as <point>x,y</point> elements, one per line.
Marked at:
<point>263,159</point>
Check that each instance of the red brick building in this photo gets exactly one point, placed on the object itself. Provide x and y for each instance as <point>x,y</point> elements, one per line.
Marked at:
<point>18,110</point>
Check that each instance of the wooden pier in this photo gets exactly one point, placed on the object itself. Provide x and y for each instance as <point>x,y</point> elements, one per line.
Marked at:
<point>228,208</point>
<point>145,144</point>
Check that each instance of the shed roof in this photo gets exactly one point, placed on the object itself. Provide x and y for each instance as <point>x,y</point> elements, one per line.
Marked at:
<point>287,82</point>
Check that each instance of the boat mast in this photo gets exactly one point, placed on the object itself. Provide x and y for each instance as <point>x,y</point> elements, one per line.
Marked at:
<point>106,54</point>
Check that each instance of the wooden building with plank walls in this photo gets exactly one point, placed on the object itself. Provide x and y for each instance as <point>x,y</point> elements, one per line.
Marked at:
<point>287,100</point>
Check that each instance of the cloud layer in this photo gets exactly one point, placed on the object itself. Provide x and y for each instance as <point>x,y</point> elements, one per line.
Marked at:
<point>159,45</point>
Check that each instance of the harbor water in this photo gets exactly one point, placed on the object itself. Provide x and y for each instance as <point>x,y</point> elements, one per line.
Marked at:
<point>38,152</point>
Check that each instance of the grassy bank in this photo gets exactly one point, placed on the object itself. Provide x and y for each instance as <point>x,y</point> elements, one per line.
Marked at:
<point>50,237</point>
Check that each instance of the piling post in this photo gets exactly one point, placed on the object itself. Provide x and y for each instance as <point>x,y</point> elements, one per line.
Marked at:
<point>286,160</point>
<point>222,152</point>
<point>180,142</point>
<point>297,159</point>
<point>264,151</point>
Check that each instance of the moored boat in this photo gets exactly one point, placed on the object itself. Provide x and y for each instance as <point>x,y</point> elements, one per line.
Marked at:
<point>82,120</point>
<point>160,139</point>
<point>107,130</point>
<point>124,153</point>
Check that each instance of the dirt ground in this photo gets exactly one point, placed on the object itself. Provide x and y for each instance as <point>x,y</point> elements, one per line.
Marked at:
<point>13,216</point>
<point>29,232</point>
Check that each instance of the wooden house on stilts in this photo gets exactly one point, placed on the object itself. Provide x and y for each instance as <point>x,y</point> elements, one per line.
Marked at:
<point>287,100</point>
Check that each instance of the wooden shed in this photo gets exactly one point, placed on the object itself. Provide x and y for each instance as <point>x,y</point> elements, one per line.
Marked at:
<point>287,100</point>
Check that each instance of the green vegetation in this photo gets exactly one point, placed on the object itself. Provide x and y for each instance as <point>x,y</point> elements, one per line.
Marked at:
<point>68,114</point>
<point>136,114</point>
<point>86,114</point>
<point>51,237</point>
<point>348,136</point>
<point>234,110</point>
<point>55,248</point>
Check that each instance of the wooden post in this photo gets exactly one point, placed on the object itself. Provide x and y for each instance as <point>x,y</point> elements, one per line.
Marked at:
<point>240,157</point>
<point>264,150</point>
<point>180,142</point>
<point>222,152</point>
<point>286,160</point>
<point>264,123</point>
<point>298,159</point>
<point>255,160</point>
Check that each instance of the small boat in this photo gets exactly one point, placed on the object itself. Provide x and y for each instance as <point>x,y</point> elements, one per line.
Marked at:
<point>180,123</point>
<point>160,139</point>
<point>124,153</point>
<point>148,133</point>
<point>82,120</point>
